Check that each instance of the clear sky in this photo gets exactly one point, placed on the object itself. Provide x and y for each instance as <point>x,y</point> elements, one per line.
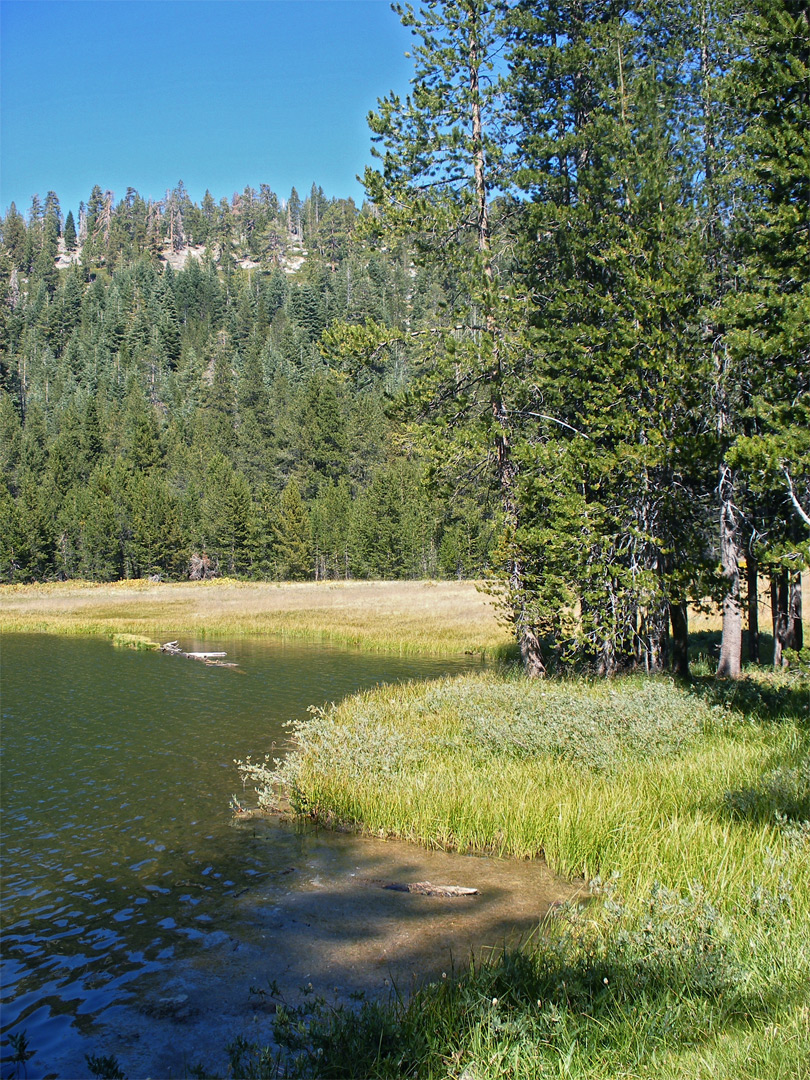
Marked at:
<point>220,95</point>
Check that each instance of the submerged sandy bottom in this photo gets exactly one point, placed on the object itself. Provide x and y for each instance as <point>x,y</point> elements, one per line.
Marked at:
<point>322,925</point>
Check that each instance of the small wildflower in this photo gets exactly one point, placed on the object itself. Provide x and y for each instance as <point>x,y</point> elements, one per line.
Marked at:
<point>494,1001</point>
<point>605,980</point>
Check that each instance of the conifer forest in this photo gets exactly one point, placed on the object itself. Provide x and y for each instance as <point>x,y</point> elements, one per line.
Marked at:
<point>562,346</point>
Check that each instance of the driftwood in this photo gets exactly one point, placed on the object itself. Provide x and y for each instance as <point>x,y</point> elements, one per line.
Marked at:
<point>213,659</point>
<point>424,888</point>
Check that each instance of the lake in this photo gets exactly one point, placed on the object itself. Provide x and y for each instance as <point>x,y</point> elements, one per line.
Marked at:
<point>137,914</point>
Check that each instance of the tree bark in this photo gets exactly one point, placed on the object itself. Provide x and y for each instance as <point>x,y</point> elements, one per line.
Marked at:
<point>654,634</point>
<point>779,615</point>
<point>478,152</point>
<point>795,634</point>
<point>679,618</point>
<point>753,608</point>
<point>531,654</point>
<point>730,663</point>
<point>786,609</point>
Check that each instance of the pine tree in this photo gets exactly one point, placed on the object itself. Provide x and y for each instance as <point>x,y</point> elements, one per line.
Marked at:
<point>294,215</point>
<point>167,318</point>
<point>14,236</point>
<point>102,520</point>
<point>157,546</point>
<point>227,519</point>
<point>769,313</point>
<point>322,445</point>
<point>70,232</point>
<point>45,263</point>
<point>609,407</point>
<point>441,159</point>
<point>293,536</point>
<point>330,518</point>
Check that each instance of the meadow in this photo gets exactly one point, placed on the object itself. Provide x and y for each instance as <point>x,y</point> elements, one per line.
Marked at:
<point>410,617</point>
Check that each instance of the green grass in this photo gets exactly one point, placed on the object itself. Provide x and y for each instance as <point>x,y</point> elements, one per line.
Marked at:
<point>686,809</point>
<point>135,641</point>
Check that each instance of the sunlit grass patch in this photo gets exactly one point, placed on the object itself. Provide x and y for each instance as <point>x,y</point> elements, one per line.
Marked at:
<point>588,775</point>
<point>134,641</point>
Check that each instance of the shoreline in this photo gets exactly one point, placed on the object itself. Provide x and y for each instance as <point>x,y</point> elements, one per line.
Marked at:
<point>693,954</point>
<point>438,618</point>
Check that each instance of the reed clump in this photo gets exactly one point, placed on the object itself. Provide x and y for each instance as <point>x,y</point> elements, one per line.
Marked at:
<point>685,808</point>
<point>135,641</point>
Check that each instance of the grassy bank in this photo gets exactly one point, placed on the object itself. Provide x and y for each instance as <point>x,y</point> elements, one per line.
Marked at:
<point>685,809</point>
<point>414,617</point>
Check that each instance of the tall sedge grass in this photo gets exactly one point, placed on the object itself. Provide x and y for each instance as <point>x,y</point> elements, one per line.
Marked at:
<point>379,762</point>
<point>683,808</point>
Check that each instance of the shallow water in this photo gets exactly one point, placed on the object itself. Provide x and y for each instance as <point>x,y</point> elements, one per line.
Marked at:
<point>137,914</point>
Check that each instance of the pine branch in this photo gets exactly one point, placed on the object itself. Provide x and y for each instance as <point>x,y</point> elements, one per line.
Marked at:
<point>794,499</point>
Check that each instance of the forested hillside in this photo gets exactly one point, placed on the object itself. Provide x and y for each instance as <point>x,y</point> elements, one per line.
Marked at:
<point>162,422</point>
<point>566,342</point>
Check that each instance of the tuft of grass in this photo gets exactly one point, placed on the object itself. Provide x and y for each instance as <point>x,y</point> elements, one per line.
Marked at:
<point>104,1067</point>
<point>683,806</point>
<point>134,641</point>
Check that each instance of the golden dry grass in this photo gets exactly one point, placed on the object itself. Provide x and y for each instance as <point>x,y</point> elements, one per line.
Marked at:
<point>437,618</point>
<point>708,617</point>
<point>428,617</point>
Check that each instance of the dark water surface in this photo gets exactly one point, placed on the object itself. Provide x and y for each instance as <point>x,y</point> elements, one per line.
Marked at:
<point>134,908</point>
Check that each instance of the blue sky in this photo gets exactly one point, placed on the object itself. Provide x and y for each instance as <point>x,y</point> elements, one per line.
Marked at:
<point>220,95</point>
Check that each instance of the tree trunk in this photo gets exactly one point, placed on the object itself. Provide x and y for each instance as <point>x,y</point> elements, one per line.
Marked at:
<point>779,614</point>
<point>753,608</point>
<point>531,654</point>
<point>679,618</point>
<point>786,609</point>
<point>654,635</point>
<point>478,150</point>
<point>607,665</point>
<point>795,633</point>
<point>730,663</point>
<point>527,639</point>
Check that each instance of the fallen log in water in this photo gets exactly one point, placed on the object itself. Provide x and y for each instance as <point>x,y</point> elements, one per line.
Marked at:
<point>213,659</point>
<point>424,888</point>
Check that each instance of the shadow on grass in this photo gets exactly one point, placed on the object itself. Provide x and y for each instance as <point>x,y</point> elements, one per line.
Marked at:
<point>782,792</point>
<point>752,698</point>
<point>600,996</point>
<point>704,647</point>
<point>781,795</point>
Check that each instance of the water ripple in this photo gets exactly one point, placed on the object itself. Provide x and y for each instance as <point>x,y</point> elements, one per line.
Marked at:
<point>117,845</point>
